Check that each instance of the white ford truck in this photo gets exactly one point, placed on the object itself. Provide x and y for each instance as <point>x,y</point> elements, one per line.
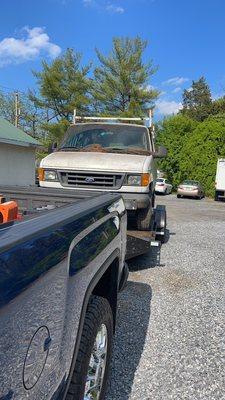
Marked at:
<point>106,156</point>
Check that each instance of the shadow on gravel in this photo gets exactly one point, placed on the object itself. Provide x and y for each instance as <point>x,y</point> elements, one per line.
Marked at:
<point>132,325</point>
<point>150,259</point>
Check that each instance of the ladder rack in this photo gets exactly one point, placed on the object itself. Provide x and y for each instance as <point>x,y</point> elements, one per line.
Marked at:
<point>147,121</point>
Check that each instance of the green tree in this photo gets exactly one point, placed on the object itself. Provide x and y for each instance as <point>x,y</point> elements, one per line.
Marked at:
<point>197,101</point>
<point>201,151</point>
<point>30,118</point>
<point>218,106</point>
<point>63,86</point>
<point>173,133</point>
<point>121,83</point>
<point>7,106</point>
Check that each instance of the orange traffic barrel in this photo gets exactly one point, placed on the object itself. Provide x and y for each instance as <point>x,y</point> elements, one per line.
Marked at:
<point>8,212</point>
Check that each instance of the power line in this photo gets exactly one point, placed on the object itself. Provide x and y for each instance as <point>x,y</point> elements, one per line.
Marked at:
<point>12,90</point>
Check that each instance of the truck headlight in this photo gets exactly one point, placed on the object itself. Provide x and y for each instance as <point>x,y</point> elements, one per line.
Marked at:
<point>139,180</point>
<point>51,176</point>
<point>134,180</point>
<point>47,175</point>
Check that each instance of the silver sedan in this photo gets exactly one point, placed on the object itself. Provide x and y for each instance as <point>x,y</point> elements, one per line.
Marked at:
<point>190,188</point>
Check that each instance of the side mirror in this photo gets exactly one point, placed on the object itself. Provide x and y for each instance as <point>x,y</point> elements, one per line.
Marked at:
<point>161,152</point>
<point>52,147</point>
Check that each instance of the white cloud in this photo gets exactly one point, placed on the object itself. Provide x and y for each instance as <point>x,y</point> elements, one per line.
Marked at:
<point>166,107</point>
<point>176,90</point>
<point>103,5</point>
<point>176,81</point>
<point>34,42</point>
<point>114,9</point>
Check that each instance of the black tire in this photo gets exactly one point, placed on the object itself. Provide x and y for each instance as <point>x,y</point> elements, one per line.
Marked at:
<point>178,196</point>
<point>98,312</point>
<point>216,196</point>
<point>144,218</point>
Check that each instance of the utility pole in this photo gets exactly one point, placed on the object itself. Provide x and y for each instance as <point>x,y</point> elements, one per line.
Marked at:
<point>17,110</point>
<point>74,116</point>
<point>151,117</point>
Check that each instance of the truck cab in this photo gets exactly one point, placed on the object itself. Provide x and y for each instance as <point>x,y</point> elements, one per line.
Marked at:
<point>104,156</point>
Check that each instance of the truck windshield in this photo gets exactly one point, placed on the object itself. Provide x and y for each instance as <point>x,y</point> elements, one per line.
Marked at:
<point>106,138</point>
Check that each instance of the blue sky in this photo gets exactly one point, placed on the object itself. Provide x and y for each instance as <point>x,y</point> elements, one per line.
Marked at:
<point>186,39</point>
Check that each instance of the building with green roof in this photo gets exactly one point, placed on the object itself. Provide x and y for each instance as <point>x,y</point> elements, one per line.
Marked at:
<point>17,156</point>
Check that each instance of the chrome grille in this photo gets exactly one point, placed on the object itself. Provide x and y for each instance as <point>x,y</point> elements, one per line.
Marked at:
<point>95,180</point>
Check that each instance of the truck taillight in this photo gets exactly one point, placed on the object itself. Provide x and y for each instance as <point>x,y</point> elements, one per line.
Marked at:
<point>41,174</point>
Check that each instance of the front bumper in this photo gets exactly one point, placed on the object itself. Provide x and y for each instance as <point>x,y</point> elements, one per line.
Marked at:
<point>134,201</point>
<point>188,193</point>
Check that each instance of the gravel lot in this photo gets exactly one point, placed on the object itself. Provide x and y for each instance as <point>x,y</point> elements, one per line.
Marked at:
<point>170,339</point>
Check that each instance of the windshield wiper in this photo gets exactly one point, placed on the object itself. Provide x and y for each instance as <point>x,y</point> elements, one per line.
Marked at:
<point>69,148</point>
<point>128,150</point>
<point>115,149</point>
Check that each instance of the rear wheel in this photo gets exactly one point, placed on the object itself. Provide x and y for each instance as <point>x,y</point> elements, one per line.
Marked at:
<point>92,365</point>
<point>178,196</point>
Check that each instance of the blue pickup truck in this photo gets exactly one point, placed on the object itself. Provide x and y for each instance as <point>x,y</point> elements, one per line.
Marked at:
<point>61,268</point>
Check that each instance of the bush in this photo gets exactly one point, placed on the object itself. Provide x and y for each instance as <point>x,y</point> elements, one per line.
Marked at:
<point>173,133</point>
<point>193,149</point>
<point>201,152</point>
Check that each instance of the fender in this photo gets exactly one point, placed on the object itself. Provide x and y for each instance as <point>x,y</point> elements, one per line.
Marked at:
<point>115,255</point>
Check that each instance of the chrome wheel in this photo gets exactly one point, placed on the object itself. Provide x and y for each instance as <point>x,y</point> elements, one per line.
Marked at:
<point>97,364</point>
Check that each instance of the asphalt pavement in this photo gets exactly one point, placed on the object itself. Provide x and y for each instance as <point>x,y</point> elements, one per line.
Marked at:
<point>170,337</point>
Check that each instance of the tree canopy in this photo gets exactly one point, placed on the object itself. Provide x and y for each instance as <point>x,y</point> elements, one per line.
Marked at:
<point>197,100</point>
<point>201,152</point>
<point>173,133</point>
<point>63,86</point>
<point>193,149</point>
<point>121,82</point>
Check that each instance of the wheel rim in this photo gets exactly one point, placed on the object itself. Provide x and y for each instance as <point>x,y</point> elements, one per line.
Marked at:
<point>97,364</point>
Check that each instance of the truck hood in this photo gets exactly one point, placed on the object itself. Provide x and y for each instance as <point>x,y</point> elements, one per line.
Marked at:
<point>85,161</point>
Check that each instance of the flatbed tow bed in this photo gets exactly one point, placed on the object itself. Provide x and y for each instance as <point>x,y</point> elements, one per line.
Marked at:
<point>33,200</point>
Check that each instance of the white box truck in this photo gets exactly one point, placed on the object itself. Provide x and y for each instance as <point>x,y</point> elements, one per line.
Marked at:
<point>220,180</point>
